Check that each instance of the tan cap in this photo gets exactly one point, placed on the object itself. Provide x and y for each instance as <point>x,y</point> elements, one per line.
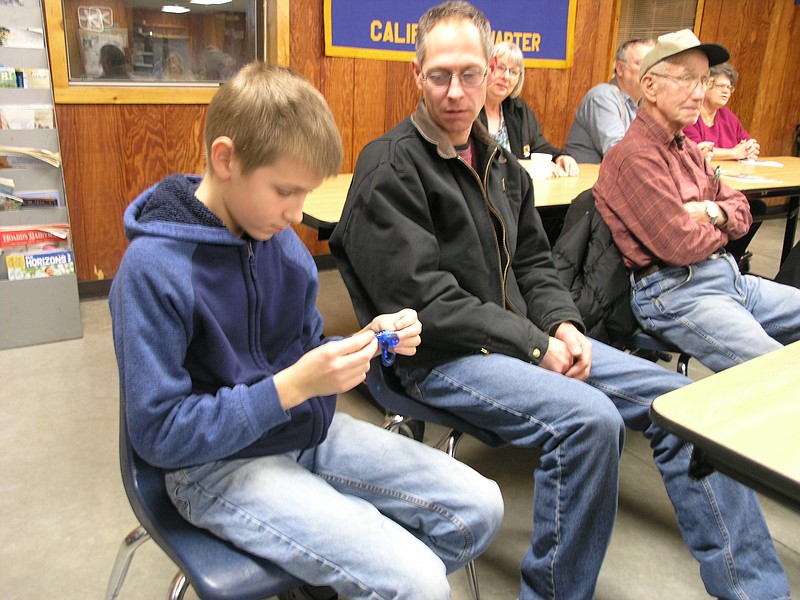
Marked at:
<point>674,43</point>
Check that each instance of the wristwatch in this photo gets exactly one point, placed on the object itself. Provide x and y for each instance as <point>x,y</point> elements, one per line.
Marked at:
<point>712,210</point>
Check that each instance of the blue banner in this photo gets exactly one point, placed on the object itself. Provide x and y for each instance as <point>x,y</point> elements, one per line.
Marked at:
<point>386,29</point>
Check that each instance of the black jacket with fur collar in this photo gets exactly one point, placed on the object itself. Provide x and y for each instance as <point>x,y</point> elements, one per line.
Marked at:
<point>463,247</point>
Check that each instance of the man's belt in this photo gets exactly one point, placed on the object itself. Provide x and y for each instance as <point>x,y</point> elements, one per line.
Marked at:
<point>643,272</point>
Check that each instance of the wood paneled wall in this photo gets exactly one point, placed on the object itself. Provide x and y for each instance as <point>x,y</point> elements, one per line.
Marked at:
<point>110,154</point>
<point>113,152</point>
<point>764,40</point>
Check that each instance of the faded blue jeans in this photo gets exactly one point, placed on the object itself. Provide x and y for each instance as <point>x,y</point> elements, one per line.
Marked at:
<point>579,428</point>
<point>370,513</point>
<point>716,314</point>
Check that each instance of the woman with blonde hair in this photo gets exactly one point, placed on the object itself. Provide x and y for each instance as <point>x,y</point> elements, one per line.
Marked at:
<point>509,118</point>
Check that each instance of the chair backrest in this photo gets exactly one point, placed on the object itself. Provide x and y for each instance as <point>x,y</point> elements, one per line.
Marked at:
<point>387,391</point>
<point>214,568</point>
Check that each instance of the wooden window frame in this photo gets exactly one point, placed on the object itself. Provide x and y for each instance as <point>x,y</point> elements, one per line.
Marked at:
<point>698,18</point>
<point>275,15</point>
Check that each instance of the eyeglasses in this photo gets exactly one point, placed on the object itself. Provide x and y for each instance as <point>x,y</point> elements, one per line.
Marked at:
<point>688,83</point>
<point>501,69</point>
<point>724,86</point>
<point>442,79</point>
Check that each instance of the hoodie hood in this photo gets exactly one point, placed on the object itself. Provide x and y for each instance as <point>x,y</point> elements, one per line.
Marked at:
<point>171,209</point>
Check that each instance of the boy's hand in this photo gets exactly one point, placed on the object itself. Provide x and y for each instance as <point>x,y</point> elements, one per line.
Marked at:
<point>407,326</point>
<point>331,368</point>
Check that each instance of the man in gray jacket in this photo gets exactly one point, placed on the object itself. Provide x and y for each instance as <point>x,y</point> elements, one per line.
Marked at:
<point>438,218</point>
<point>608,109</point>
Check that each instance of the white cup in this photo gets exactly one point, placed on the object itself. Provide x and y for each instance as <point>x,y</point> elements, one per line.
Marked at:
<point>538,165</point>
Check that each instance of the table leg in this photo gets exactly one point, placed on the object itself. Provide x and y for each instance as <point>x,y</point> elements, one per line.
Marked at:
<point>791,227</point>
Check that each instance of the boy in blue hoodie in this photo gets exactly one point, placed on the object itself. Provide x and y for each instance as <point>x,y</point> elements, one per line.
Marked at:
<point>230,386</point>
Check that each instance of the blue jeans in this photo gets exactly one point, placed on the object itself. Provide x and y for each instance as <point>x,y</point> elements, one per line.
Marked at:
<point>579,428</point>
<point>368,512</point>
<point>716,314</point>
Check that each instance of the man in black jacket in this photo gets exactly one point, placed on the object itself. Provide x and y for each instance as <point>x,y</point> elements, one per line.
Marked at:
<point>439,219</point>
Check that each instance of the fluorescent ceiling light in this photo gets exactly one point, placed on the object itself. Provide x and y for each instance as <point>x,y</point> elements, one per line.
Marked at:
<point>174,8</point>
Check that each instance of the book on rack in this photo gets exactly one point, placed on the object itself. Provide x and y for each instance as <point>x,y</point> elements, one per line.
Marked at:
<point>33,116</point>
<point>7,185</point>
<point>32,237</point>
<point>11,200</point>
<point>29,78</point>
<point>42,263</point>
<point>39,199</point>
<point>16,37</point>
<point>21,156</point>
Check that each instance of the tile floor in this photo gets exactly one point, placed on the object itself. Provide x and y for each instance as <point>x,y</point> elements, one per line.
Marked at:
<point>63,512</point>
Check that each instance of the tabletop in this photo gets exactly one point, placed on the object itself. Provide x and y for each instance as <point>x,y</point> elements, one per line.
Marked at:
<point>776,175</point>
<point>744,421</point>
<point>323,206</point>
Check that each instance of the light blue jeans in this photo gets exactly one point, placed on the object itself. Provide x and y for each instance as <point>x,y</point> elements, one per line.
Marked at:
<point>368,512</point>
<point>579,428</point>
<point>716,314</point>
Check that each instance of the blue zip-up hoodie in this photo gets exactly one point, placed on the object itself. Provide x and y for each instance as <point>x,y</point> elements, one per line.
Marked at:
<point>202,319</point>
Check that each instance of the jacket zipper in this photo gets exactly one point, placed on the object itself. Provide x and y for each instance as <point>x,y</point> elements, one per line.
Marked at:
<point>484,186</point>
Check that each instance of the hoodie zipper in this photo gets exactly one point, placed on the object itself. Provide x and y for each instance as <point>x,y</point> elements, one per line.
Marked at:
<point>254,328</point>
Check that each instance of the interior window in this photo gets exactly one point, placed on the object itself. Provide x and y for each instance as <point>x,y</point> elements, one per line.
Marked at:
<point>158,41</point>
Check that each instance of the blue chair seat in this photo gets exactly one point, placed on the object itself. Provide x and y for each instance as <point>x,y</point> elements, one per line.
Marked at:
<point>215,569</point>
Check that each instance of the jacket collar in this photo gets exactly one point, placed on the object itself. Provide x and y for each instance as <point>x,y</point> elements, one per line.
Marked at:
<point>430,130</point>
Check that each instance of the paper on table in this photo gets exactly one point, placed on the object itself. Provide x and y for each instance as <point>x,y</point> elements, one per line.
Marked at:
<point>750,178</point>
<point>761,163</point>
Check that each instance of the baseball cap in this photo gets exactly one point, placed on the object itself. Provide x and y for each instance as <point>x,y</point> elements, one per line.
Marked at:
<point>676,42</point>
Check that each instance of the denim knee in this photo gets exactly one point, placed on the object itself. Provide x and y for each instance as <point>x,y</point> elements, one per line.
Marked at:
<point>412,578</point>
<point>599,419</point>
<point>484,522</point>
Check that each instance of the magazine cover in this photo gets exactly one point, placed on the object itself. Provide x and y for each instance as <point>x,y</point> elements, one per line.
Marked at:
<point>31,265</point>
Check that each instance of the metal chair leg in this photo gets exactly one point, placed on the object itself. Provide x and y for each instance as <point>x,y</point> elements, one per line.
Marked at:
<point>392,422</point>
<point>451,443</point>
<point>129,545</point>
<point>472,579</point>
<point>178,586</point>
<point>683,364</point>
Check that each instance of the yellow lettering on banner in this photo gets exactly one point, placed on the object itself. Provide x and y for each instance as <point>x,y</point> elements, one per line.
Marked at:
<point>394,32</point>
<point>528,42</point>
<point>387,32</point>
<point>375,31</point>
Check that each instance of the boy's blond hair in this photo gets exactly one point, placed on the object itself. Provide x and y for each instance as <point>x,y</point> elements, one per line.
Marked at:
<point>271,112</point>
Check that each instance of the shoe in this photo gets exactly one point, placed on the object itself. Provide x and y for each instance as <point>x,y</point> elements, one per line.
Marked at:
<point>309,592</point>
<point>652,355</point>
<point>744,262</point>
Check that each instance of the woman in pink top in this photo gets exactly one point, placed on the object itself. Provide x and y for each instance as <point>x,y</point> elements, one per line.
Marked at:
<point>718,131</point>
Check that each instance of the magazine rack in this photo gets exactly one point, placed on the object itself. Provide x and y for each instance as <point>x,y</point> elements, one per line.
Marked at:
<point>46,309</point>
